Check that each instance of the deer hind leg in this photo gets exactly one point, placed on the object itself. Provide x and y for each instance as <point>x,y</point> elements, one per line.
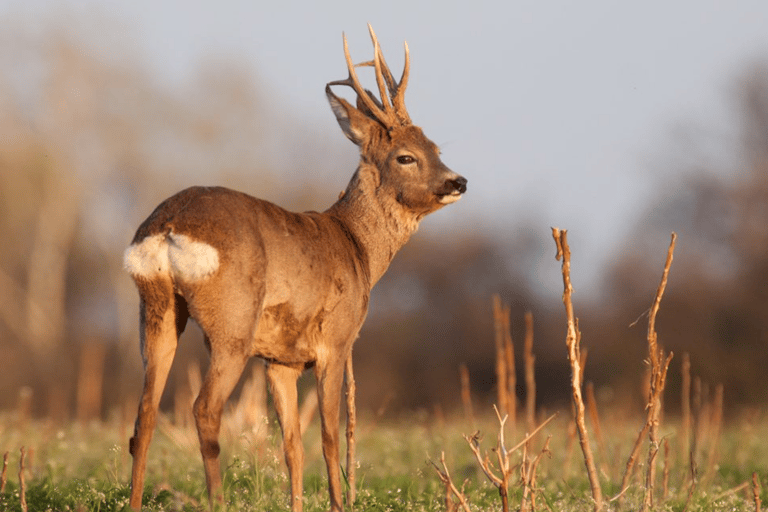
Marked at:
<point>226,367</point>
<point>162,319</point>
<point>330,376</point>
<point>282,381</point>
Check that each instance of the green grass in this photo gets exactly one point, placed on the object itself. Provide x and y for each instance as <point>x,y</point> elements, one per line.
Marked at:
<point>87,468</point>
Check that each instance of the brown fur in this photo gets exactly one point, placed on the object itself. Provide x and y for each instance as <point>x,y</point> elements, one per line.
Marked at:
<point>291,288</point>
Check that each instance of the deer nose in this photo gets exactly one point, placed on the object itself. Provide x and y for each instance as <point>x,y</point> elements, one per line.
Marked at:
<point>459,184</point>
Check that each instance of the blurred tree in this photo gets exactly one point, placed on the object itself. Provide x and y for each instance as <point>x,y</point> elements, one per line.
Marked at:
<point>716,302</point>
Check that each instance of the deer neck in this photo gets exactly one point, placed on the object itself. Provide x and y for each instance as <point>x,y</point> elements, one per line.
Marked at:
<point>379,224</point>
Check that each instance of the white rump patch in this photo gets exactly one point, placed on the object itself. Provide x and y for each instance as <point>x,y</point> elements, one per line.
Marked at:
<point>191,260</point>
<point>148,257</point>
<point>186,259</point>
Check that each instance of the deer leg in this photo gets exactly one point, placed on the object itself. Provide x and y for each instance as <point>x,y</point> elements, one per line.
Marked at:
<point>159,341</point>
<point>329,381</point>
<point>223,373</point>
<point>282,381</point>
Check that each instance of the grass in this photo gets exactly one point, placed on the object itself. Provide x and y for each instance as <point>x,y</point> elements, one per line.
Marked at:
<point>87,468</point>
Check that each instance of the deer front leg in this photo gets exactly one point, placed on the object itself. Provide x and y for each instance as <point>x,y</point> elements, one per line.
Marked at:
<point>223,373</point>
<point>329,381</point>
<point>282,381</point>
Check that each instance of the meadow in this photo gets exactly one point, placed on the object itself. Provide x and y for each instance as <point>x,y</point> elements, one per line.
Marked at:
<point>87,467</point>
<point>604,452</point>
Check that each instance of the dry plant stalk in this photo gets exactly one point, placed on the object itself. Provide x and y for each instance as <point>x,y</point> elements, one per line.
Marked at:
<point>665,480</point>
<point>594,418</point>
<point>501,362</point>
<point>22,482</point>
<point>466,395</point>
<point>658,374</point>
<point>756,491</point>
<point>530,379</point>
<point>351,424</point>
<point>90,381</point>
<point>572,340</point>
<point>509,357</point>
<point>502,454</point>
<point>4,474</point>
<point>450,488</point>
<point>716,423</point>
<point>528,477</point>
<point>505,360</point>
<point>659,367</point>
<point>685,407</point>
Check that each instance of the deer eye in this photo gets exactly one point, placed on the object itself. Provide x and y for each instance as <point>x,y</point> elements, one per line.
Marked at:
<point>405,159</point>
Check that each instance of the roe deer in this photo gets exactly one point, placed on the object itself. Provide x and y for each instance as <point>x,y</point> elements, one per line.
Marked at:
<point>290,288</point>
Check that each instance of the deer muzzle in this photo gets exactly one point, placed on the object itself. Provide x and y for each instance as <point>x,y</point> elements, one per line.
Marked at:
<point>452,189</point>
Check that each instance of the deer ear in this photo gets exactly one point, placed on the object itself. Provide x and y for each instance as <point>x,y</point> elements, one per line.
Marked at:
<point>357,126</point>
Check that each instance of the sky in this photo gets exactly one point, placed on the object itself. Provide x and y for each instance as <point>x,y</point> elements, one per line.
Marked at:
<point>557,112</point>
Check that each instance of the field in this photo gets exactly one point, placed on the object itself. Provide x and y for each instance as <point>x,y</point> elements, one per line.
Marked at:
<point>87,467</point>
<point>603,454</point>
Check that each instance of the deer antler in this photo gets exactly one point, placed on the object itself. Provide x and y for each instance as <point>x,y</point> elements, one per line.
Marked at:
<point>391,110</point>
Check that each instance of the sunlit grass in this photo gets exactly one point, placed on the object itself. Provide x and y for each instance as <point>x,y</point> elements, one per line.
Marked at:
<point>87,468</point>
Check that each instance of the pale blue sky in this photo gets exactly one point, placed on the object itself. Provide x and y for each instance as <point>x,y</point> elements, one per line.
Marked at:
<point>558,112</point>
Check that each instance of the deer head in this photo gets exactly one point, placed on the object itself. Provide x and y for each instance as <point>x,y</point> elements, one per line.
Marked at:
<point>403,162</point>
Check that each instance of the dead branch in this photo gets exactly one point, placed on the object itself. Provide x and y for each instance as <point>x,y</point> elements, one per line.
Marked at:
<point>659,369</point>
<point>529,477</point>
<point>22,482</point>
<point>573,339</point>
<point>501,483</point>
<point>756,491</point>
<point>450,488</point>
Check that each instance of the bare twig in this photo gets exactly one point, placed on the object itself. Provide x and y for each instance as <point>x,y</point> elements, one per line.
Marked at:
<point>658,374</point>
<point>573,339</point>
<point>532,434</point>
<point>22,482</point>
<point>501,482</point>
<point>450,488</point>
<point>502,454</point>
<point>732,490</point>
<point>529,478</point>
<point>756,491</point>
<point>659,369</point>
<point>351,423</point>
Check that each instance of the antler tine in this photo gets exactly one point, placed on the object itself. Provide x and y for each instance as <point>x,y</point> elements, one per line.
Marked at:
<point>399,100</point>
<point>391,110</point>
<point>353,82</point>
<point>383,77</point>
<point>396,89</point>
